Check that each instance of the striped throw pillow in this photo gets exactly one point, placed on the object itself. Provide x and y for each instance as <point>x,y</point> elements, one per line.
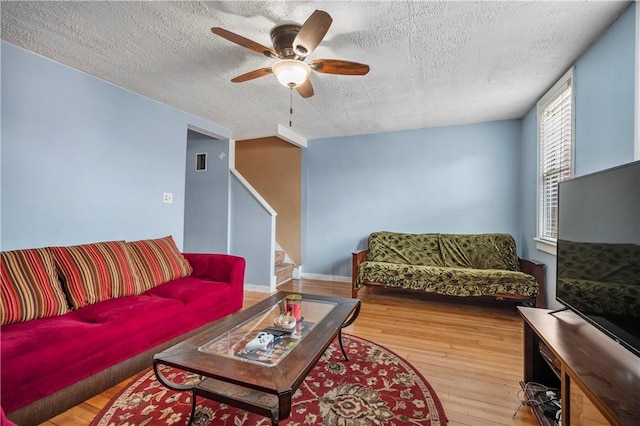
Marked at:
<point>96,272</point>
<point>30,288</point>
<point>158,261</point>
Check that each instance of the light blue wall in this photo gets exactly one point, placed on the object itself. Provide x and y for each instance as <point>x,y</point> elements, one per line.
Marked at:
<point>459,179</point>
<point>84,160</point>
<point>252,236</point>
<point>604,84</point>
<point>206,207</point>
<point>604,87</point>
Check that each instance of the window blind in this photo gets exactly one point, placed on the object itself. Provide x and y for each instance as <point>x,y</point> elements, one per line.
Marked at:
<point>556,156</point>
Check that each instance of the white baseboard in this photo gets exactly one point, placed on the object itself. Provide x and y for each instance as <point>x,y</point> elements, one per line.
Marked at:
<point>260,288</point>
<point>324,277</point>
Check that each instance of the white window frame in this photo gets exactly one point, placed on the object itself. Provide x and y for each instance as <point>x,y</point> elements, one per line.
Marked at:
<point>547,243</point>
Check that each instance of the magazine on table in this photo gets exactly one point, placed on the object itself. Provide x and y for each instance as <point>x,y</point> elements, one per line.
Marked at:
<point>283,342</point>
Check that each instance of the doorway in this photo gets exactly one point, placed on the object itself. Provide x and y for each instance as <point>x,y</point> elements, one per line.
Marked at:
<point>206,204</point>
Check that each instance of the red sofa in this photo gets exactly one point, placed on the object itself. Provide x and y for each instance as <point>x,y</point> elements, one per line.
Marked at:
<point>51,364</point>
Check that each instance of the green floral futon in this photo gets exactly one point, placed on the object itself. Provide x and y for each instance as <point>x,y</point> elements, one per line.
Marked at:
<point>449,264</point>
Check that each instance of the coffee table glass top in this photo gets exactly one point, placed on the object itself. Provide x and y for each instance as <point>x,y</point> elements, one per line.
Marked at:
<point>262,383</point>
<point>232,344</point>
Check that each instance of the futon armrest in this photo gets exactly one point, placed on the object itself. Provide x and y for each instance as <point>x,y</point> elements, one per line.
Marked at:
<point>535,268</point>
<point>357,258</point>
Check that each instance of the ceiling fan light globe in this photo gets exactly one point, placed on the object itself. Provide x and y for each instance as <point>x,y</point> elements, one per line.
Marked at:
<point>291,72</point>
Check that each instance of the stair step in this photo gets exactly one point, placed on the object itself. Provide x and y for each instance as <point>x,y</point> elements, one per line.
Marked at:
<point>279,257</point>
<point>284,273</point>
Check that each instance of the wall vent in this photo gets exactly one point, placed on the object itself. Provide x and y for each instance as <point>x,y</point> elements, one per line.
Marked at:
<point>201,161</point>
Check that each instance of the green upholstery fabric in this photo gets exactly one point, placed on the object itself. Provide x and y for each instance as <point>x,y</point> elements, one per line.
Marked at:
<point>412,249</point>
<point>451,264</point>
<point>604,278</point>
<point>449,281</point>
<point>481,251</point>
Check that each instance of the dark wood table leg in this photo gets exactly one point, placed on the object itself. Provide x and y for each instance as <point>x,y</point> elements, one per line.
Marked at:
<point>179,388</point>
<point>275,417</point>
<point>192,416</point>
<point>347,323</point>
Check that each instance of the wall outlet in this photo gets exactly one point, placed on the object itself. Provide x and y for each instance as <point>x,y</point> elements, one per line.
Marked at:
<point>167,198</point>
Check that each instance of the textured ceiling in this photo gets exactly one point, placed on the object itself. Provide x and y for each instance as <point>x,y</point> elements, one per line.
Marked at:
<point>433,63</point>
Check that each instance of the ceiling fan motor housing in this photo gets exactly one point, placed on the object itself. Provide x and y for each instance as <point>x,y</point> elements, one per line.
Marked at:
<point>282,38</point>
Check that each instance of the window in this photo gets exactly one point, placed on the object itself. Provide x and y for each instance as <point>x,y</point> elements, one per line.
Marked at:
<point>555,162</point>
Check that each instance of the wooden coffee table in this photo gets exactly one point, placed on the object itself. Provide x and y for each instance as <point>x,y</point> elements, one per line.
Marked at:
<point>262,382</point>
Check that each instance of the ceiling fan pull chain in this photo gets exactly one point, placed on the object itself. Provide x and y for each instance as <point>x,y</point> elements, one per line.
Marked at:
<point>290,104</point>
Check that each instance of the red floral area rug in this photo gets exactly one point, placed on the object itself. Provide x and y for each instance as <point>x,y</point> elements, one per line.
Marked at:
<point>375,387</point>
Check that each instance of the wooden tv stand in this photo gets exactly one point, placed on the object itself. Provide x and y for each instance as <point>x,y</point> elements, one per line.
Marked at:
<point>599,380</point>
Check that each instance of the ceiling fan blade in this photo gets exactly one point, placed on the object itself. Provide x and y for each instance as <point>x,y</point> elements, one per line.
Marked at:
<point>336,66</point>
<point>244,42</point>
<point>305,89</point>
<point>252,74</point>
<point>311,33</point>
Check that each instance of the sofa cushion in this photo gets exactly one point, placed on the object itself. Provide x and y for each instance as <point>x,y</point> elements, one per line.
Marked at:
<point>97,336</point>
<point>56,352</point>
<point>189,290</point>
<point>96,272</point>
<point>479,251</point>
<point>196,295</point>
<point>412,249</point>
<point>30,286</point>
<point>446,280</point>
<point>158,261</point>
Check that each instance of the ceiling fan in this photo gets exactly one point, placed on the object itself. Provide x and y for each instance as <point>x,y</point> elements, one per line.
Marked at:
<point>292,43</point>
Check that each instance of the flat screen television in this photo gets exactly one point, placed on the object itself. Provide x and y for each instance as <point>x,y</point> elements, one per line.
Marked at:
<point>598,251</point>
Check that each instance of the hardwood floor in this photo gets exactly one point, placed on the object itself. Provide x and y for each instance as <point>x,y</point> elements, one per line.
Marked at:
<point>471,353</point>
